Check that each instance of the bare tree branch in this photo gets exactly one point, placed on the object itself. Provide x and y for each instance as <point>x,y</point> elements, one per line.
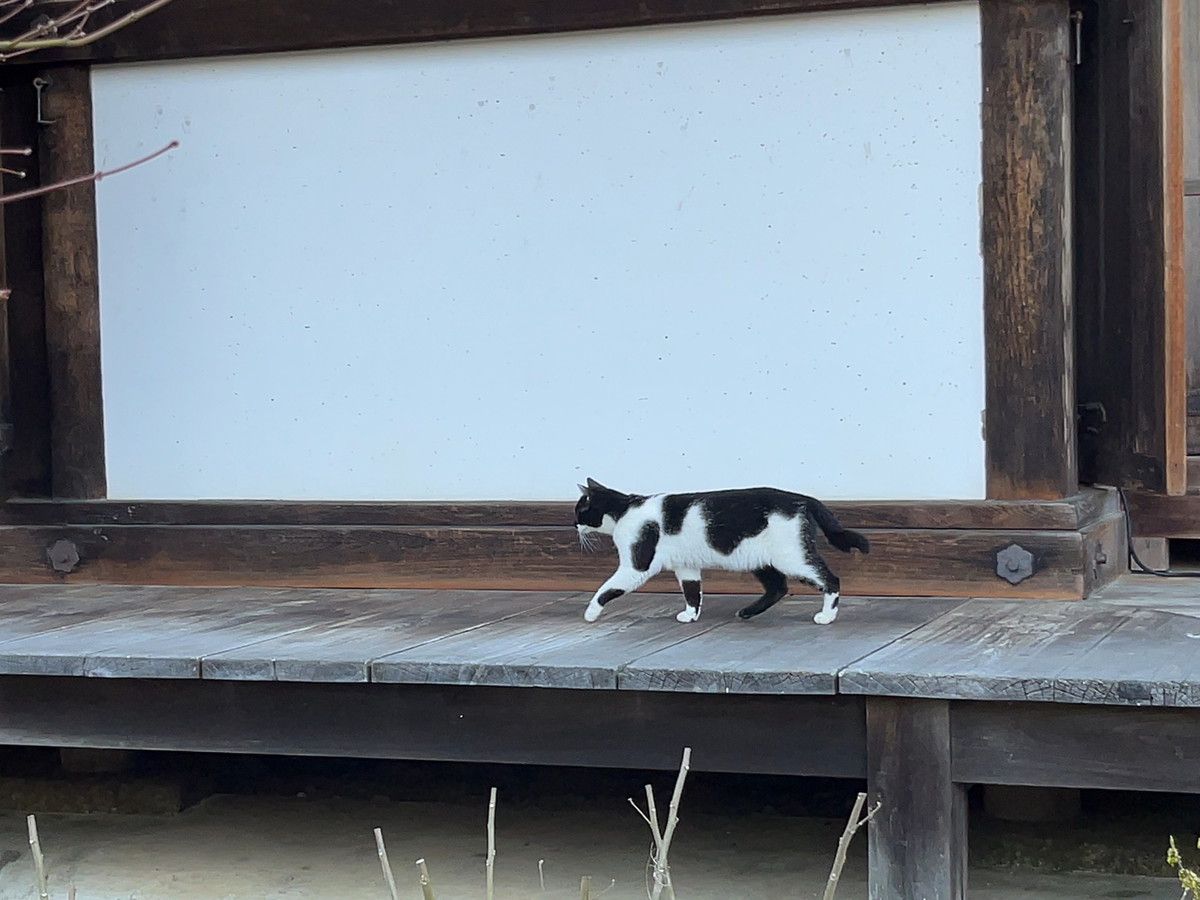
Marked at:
<point>83,179</point>
<point>64,29</point>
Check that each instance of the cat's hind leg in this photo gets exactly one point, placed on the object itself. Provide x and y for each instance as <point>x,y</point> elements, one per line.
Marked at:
<point>693,597</point>
<point>774,585</point>
<point>830,587</point>
<point>622,581</point>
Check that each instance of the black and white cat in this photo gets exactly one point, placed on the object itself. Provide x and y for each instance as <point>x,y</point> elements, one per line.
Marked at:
<point>769,532</point>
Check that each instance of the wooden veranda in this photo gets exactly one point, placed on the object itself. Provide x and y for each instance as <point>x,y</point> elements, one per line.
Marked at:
<point>921,696</point>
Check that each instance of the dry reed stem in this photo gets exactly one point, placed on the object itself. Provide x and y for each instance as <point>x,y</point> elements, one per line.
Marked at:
<point>852,825</point>
<point>585,887</point>
<point>426,884</point>
<point>542,874</point>
<point>387,867</point>
<point>491,852</point>
<point>39,861</point>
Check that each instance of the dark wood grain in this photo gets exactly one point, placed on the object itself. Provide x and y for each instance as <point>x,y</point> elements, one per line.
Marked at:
<point>1156,515</point>
<point>211,27</point>
<point>790,735</point>
<point>1129,318</point>
<point>72,288</point>
<point>903,562</point>
<point>1070,513</point>
<point>918,839</point>
<point>27,463</point>
<point>1030,416</point>
<point>1077,746</point>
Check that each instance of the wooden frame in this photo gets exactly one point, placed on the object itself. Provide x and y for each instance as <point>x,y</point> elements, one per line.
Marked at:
<point>1027,230</point>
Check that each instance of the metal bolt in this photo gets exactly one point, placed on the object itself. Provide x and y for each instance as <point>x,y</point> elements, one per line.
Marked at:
<point>1014,563</point>
<point>63,555</point>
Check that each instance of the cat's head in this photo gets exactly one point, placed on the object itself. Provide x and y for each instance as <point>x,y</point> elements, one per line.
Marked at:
<point>599,508</point>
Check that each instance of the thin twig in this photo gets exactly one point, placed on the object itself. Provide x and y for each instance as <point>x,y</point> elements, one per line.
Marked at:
<point>585,887</point>
<point>83,179</point>
<point>387,867</point>
<point>39,861</point>
<point>662,868</point>
<point>426,884</point>
<point>29,42</point>
<point>16,151</point>
<point>542,874</point>
<point>852,825</point>
<point>491,851</point>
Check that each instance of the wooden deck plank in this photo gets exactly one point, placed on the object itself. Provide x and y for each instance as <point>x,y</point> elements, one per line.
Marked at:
<point>782,651</point>
<point>165,635</point>
<point>1152,658</point>
<point>28,609</point>
<point>343,651</point>
<point>986,650</point>
<point>553,647</point>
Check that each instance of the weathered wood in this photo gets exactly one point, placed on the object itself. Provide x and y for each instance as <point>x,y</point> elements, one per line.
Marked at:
<point>1156,515</point>
<point>1063,653</point>
<point>1074,512</point>
<point>211,27</point>
<point>789,735</point>
<point>767,655</point>
<point>549,647</point>
<point>1175,273</point>
<point>1129,312</point>
<point>1076,746</point>
<point>903,562</point>
<point>384,622</point>
<point>26,465</point>
<point>918,840</point>
<point>1030,416</point>
<point>1105,552</point>
<point>72,291</point>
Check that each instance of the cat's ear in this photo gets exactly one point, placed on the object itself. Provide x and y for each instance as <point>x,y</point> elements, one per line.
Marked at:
<point>594,485</point>
<point>582,489</point>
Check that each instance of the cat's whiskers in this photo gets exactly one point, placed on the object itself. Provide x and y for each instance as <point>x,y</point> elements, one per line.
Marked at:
<point>587,542</point>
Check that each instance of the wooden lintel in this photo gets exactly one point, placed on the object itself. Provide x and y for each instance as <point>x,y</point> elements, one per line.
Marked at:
<point>1076,512</point>
<point>1030,415</point>
<point>72,291</point>
<point>218,27</point>
<point>1156,515</point>
<point>902,562</point>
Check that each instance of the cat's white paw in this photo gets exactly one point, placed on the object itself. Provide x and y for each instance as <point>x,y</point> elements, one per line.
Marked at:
<point>592,613</point>
<point>691,614</point>
<point>825,618</point>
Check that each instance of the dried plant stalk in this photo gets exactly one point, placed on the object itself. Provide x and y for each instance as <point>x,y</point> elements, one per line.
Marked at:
<point>387,867</point>
<point>491,851</point>
<point>426,884</point>
<point>39,861</point>
<point>839,860</point>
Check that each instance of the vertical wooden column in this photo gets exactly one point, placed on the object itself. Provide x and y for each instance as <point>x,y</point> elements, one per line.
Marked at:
<point>1029,324</point>
<point>918,839</point>
<point>72,300</point>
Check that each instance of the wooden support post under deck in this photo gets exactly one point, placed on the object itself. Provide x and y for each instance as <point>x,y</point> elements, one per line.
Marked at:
<point>72,298</point>
<point>1028,315</point>
<point>918,839</point>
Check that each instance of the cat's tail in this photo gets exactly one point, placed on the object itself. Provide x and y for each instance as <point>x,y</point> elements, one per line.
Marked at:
<point>842,538</point>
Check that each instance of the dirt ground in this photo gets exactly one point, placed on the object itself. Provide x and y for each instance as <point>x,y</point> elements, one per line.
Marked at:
<point>253,847</point>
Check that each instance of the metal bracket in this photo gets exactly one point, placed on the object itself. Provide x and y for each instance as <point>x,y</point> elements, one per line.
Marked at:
<point>63,555</point>
<point>40,85</point>
<point>1014,563</point>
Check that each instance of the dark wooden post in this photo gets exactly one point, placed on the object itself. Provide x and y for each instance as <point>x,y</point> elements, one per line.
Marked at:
<point>918,839</point>
<point>72,288</point>
<point>1029,325</point>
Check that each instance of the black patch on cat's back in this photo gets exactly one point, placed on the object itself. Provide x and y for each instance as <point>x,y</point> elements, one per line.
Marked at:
<point>644,546</point>
<point>733,516</point>
<point>674,509</point>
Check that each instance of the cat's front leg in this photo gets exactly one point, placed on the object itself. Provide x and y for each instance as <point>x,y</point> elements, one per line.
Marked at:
<point>689,583</point>
<point>622,581</point>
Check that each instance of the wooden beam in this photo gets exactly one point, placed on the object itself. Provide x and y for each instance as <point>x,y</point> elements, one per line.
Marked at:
<point>27,463</point>
<point>1030,416</point>
<point>790,735</point>
<point>1071,513</point>
<point>902,562</point>
<point>72,293</point>
<point>1065,745</point>
<point>917,843</point>
<point>1156,515</point>
<point>217,27</point>
<point>1128,220</point>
